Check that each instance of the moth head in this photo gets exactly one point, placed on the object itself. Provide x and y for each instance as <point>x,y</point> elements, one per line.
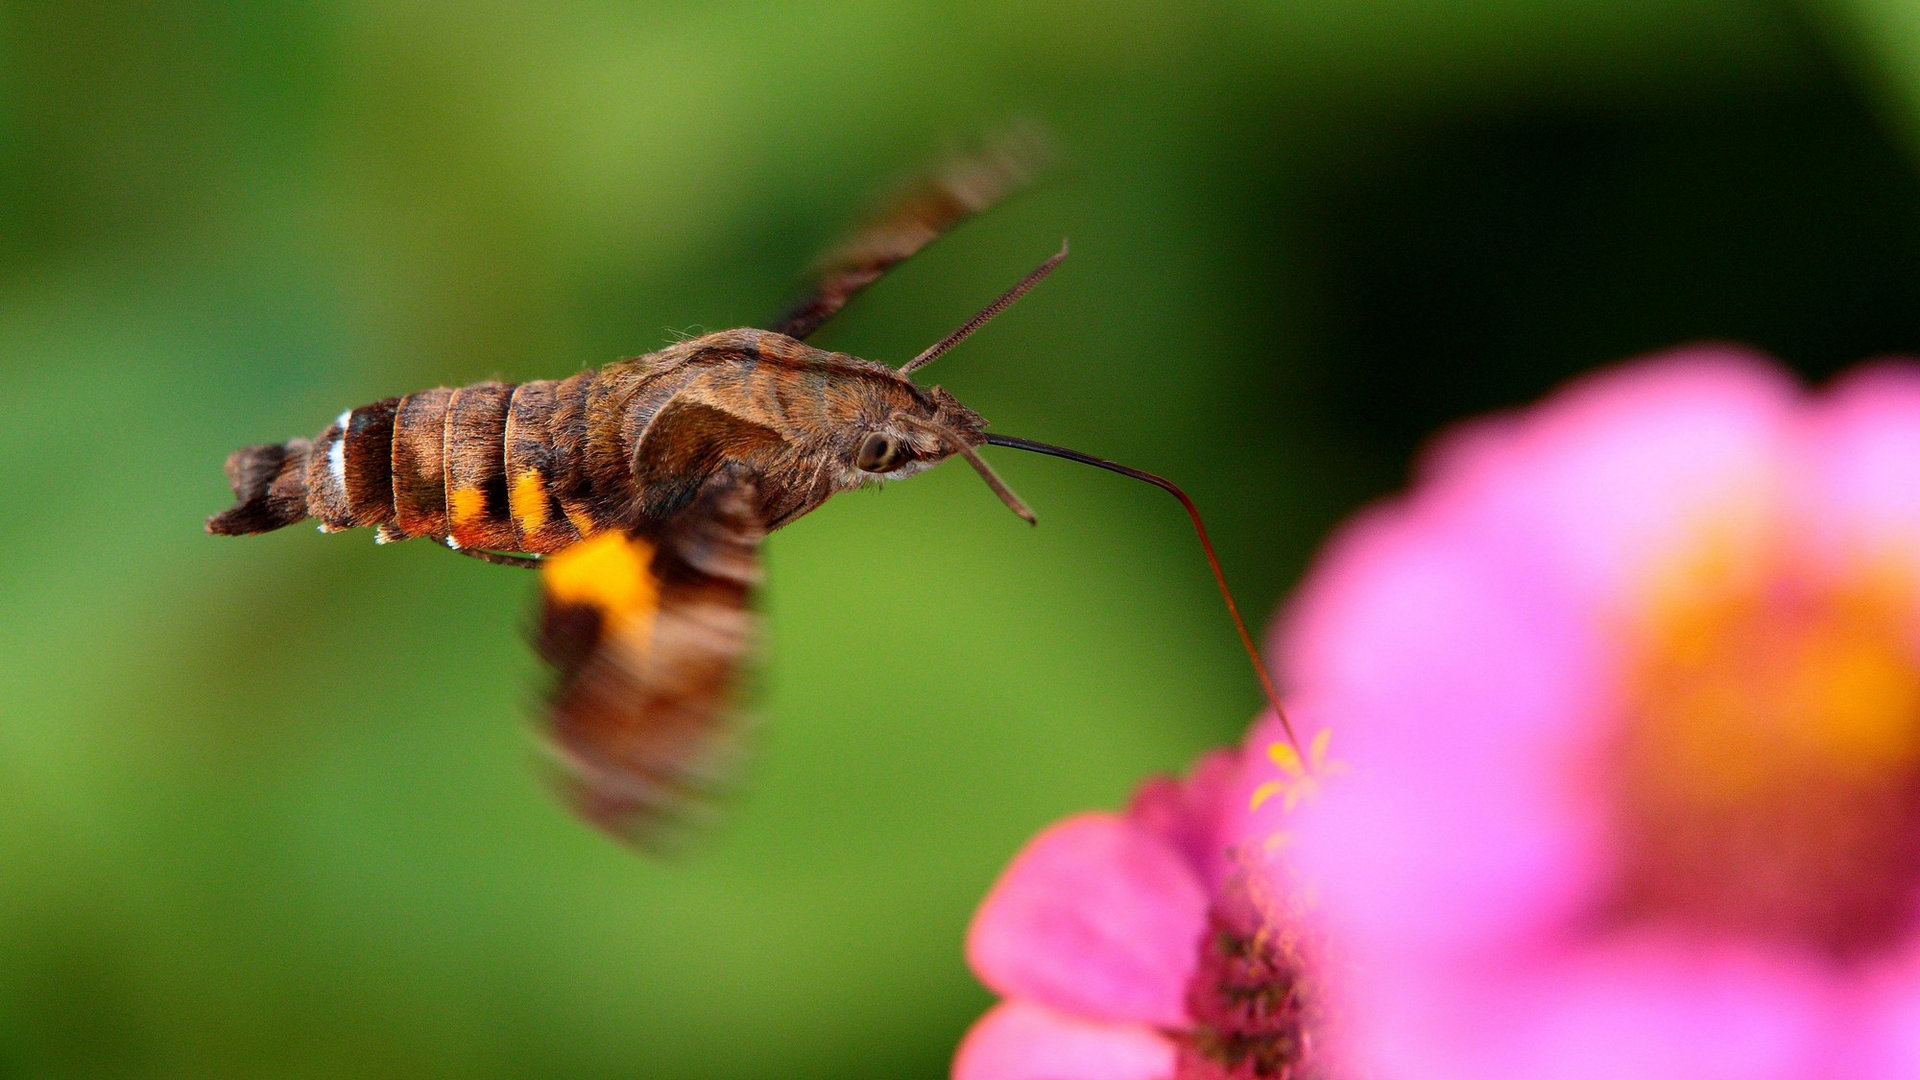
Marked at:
<point>939,427</point>
<point>920,433</point>
<point>919,429</point>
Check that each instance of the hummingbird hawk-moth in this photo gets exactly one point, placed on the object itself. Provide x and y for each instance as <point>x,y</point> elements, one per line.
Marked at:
<point>642,490</point>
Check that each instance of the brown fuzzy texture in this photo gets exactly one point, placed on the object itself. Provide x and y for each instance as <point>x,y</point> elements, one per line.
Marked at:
<point>566,459</point>
<point>269,489</point>
<point>629,445</point>
<point>326,492</point>
<point>536,469</point>
<point>476,472</point>
<point>369,454</point>
<point>641,708</point>
<point>419,464</point>
<point>690,442</point>
<point>626,447</point>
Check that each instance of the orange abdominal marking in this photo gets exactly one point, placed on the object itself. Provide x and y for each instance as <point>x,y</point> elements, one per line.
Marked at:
<point>529,502</point>
<point>466,505</point>
<point>612,574</point>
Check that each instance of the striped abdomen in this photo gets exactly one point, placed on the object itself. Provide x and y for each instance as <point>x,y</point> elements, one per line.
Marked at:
<point>484,466</point>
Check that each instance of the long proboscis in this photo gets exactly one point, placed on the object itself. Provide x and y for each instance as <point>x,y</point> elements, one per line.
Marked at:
<point>1213,560</point>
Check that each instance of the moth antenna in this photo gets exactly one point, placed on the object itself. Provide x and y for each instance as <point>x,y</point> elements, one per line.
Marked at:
<point>985,316</point>
<point>985,470</point>
<point>1213,560</point>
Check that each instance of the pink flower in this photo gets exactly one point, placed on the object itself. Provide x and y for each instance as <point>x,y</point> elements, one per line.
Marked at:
<point>1629,693</point>
<point>1140,946</point>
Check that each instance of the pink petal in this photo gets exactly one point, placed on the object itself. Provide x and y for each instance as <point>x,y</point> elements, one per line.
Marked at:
<point>1457,697</point>
<point>1862,488</point>
<point>1602,485</point>
<point>1679,1010</point>
<point>1884,1022</point>
<point>1462,643</point>
<point>1190,815</point>
<point>1097,917</point>
<point>1651,1009</point>
<point>1021,1040</point>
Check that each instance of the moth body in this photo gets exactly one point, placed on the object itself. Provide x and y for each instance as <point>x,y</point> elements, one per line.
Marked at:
<point>537,467</point>
<point>642,491</point>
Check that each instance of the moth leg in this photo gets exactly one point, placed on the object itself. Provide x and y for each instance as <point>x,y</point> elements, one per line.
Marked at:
<point>501,558</point>
<point>963,186</point>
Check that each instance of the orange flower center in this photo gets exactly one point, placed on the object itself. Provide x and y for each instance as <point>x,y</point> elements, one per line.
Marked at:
<point>1768,782</point>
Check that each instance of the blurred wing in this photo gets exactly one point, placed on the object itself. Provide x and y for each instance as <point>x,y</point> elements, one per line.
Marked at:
<point>647,639</point>
<point>959,189</point>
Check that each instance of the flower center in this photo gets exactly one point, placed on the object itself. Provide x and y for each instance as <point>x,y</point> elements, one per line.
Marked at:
<point>1768,782</point>
<point>1252,1013</point>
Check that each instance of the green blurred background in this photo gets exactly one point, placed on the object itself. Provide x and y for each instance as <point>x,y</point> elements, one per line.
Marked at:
<point>268,807</point>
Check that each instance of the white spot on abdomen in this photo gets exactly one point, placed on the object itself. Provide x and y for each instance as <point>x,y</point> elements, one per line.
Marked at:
<point>337,453</point>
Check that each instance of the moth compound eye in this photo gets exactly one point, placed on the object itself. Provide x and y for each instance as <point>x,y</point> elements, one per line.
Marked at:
<point>880,453</point>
